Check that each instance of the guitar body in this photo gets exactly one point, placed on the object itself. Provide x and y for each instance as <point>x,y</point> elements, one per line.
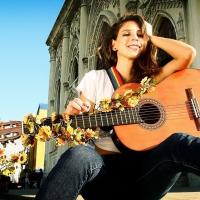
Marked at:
<point>169,111</point>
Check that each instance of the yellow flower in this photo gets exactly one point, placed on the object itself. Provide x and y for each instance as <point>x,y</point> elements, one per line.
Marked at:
<point>54,116</point>
<point>30,127</point>
<point>70,130</point>
<point>78,136</point>
<point>133,101</point>
<point>37,119</point>
<point>105,100</point>
<point>56,127</point>
<point>118,97</point>
<point>22,158</point>
<point>65,117</point>
<point>45,132</point>
<point>151,89</point>
<point>25,119</point>
<point>61,140</point>
<point>73,143</point>
<point>6,172</point>
<point>127,95</point>
<point>143,81</point>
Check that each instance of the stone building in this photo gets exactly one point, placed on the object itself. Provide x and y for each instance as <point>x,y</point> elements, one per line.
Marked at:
<point>73,42</point>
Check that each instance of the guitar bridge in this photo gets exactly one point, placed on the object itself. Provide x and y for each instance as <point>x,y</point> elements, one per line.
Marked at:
<point>195,106</point>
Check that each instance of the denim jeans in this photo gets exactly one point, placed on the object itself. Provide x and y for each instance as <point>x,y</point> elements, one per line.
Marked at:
<point>81,170</point>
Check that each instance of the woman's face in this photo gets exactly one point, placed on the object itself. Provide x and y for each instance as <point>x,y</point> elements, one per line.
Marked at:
<point>130,41</point>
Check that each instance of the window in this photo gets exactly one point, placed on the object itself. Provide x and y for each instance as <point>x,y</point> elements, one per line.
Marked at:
<point>166,30</point>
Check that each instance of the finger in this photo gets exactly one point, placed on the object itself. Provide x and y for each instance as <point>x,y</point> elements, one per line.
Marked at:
<point>85,107</point>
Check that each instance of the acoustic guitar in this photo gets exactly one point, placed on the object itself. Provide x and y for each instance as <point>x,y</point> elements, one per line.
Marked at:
<point>172,107</point>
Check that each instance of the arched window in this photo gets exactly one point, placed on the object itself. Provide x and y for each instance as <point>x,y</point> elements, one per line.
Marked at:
<point>75,72</point>
<point>166,30</point>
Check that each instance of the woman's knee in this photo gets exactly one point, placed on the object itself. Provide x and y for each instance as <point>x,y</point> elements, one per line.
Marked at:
<point>177,136</point>
<point>82,154</point>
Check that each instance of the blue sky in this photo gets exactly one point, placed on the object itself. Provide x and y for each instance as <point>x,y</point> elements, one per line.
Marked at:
<point>24,58</point>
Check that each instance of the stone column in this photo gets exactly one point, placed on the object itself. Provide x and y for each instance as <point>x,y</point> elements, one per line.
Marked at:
<point>52,52</point>
<point>123,9</point>
<point>193,31</point>
<point>82,39</point>
<point>64,63</point>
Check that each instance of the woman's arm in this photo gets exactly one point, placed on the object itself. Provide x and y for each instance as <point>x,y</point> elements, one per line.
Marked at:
<point>182,53</point>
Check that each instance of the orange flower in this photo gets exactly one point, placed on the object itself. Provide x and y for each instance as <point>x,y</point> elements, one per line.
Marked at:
<point>14,158</point>
<point>65,117</point>
<point>2,151</point>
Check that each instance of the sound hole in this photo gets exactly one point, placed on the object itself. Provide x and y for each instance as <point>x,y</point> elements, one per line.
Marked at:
<point>149,113</point>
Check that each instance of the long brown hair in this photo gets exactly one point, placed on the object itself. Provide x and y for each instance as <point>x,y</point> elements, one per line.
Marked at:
<point>145,64</point>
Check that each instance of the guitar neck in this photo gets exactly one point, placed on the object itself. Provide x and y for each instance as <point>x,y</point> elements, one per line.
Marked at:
<point>102,119</point>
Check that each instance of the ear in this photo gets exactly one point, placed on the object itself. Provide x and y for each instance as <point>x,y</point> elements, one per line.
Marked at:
<point>114,45</point>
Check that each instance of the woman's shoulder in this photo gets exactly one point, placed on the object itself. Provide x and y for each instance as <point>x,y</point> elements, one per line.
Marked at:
<point>96,73</point>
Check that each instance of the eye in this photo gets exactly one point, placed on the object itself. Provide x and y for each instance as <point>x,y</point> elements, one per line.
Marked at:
<point>140,35</point>
<point>126,34</point>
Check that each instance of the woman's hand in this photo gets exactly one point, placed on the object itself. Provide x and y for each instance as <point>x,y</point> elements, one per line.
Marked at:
<point>77,106</point>
<point>148,28</point>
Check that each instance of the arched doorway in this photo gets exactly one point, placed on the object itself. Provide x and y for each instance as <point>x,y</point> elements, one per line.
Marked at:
<point>166,30</point>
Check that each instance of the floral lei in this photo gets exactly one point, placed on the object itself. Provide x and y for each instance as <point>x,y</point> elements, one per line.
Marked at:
<point>62,132</point>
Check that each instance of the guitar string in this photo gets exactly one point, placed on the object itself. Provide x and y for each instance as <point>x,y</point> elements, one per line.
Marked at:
<point>145,114</point>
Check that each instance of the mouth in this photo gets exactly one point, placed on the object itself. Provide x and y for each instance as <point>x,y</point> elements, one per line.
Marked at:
<point>134,46</point>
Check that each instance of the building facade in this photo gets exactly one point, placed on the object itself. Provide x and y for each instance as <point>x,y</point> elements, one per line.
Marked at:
<point>75,36</point>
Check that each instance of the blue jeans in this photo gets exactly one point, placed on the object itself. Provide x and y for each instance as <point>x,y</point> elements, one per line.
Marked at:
<point>81,170</point>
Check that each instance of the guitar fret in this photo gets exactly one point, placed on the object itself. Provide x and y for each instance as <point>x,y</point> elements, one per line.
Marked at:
<point>137,112</point>
<point>121,117</point>
<point>116,117</point>
<point>112,117</point>
<point>90,121</point>
<point>96,120</point>
<point>76,120</point>
<point>101,119</point>
<point>133,115</point>
<point>129,115</point>
<point>125,116</point>
<point>107,119</point>
<point>83,122</point>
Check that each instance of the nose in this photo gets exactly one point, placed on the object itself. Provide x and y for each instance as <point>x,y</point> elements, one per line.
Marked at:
<point>134,39</point>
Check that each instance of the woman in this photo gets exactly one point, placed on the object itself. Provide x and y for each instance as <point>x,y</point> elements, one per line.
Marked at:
<point>131,47</point>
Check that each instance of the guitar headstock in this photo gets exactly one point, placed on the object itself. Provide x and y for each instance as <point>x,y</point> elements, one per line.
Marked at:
<point>10,131</point>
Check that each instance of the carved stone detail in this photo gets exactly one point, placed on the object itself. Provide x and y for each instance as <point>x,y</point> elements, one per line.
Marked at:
<point>52,52</point>
<point>52,102</point>
<point>100,5</point>
<point>180,28</point>
<point>131,6</point>
<point>85,2</point>
<point>66,30</point>
<point>151,6</point>
<point>85,62</point>
<point>75,26</point>
<point>66,85</point>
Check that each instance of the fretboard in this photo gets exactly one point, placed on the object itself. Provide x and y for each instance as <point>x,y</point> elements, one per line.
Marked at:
<point>102,119</point>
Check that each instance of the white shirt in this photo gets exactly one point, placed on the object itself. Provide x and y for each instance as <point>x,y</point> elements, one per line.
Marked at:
<point>96,85</point>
